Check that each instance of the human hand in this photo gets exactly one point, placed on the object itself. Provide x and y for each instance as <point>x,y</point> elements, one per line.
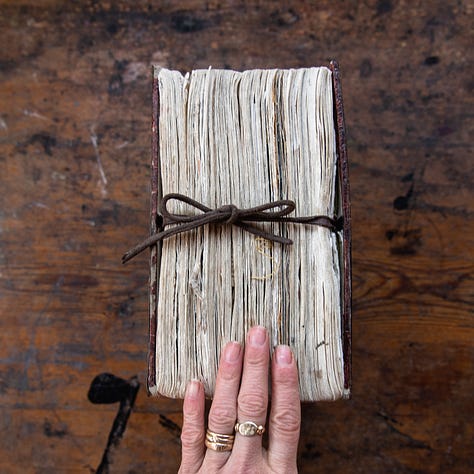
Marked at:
<point>242,395</point>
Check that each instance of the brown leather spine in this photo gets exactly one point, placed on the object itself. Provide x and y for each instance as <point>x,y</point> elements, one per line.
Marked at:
<point>155,254</point>
<point>343,171</point>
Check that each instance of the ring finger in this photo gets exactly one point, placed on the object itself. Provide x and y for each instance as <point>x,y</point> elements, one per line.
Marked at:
<point>223,410</point>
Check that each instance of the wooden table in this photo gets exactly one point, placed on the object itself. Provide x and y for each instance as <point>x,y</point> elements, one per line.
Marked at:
<point>74,176</point>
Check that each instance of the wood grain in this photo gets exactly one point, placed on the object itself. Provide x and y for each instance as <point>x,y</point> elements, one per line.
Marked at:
<point>75,103</point>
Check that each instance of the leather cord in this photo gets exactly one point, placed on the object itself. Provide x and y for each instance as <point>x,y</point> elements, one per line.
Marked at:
<point>229,214</point>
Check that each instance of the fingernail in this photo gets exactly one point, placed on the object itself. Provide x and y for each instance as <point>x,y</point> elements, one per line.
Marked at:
<point>193,389</point>
<point>232,351</point>
<point>258,335</point>
<point>283,355</point>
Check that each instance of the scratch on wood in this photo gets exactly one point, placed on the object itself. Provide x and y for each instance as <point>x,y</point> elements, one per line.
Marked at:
<point>103,178</point>
<point>412,442</point>
<point>30,113</point>
<point>170,426</point>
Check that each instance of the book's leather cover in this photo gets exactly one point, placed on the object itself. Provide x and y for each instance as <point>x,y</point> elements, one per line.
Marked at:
<point>344,200</point>
<point>344,192</point>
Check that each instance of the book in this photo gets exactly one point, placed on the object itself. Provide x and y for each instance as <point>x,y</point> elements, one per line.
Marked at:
<point>223,137</point>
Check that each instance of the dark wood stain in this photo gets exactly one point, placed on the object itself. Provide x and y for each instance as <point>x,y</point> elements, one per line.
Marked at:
<point>54,431</point>
<point>105,389</point>
<point>115,85</point>
<point>187,22</point>
<point>384,6</point>
<point>45,140</point>
<point>126,308</point>
<point>365,69</point>
<point>68,280</point>
<point>431,60</point>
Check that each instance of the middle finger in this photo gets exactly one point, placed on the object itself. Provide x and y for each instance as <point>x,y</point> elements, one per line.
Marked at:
<point>253,396</point>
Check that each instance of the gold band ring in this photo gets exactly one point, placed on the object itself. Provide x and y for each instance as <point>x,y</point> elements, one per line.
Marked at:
<point>219,442</point>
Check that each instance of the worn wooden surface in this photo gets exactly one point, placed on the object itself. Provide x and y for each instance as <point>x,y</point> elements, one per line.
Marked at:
<point>74,155</point>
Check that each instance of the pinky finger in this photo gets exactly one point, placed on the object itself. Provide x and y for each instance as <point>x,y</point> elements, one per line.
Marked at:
<point>192,434</point>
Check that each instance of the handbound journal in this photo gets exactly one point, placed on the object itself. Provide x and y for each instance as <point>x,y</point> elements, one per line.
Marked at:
<point>250,224</point>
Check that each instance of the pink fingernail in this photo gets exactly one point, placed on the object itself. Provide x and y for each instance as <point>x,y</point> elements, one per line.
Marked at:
<point>232,351</point>
<point>258,335</point>
<point>193,389</point>
<point>283,355</point>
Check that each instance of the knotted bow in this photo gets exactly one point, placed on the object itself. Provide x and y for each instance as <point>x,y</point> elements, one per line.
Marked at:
<point>229,214</point>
